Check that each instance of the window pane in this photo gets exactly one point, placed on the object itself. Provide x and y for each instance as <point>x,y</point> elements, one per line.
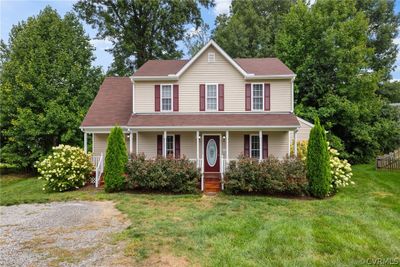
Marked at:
<point>255,147</point>
<point>166,104</point>
<point>166,91</point>
<point>211,103</point>
<point>258,96</point>
<point>211,97</point>
<point>211,90</point>
<point>170,145</point>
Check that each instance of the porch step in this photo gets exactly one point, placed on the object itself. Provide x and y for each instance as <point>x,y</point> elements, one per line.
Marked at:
<point>212,182</point>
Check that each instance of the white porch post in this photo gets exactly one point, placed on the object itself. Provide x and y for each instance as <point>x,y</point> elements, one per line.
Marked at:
<point>130,141</point>
<point>227,146</point>
<point>85,142</point>
<point>137,142</point>
<point>197,150</point>
<point>261,145</point>
<point>165,144</point>
<point>295,143</point>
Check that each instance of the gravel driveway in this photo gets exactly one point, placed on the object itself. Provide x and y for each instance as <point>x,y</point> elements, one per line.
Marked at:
<point>61,234</point>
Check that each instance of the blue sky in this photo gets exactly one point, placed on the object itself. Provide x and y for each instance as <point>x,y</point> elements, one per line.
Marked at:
<point>13,11</point>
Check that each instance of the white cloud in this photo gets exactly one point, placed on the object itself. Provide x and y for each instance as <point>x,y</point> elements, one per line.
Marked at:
<point>222,6</point>
<point>101,43</point>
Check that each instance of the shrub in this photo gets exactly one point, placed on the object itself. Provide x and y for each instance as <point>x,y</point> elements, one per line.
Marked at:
<point>301,149</point>
<point>270,176</point>
<point>162,174</point>
<point>340,170</point>
<point>115,163</point>
<point>318,171</point>
<point>65,168</point>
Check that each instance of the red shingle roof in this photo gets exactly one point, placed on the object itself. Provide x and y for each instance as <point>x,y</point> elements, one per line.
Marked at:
<point>112,105</point>
<point>257,66</point>
<point>160,67</point>
<point>263,66</point>
<point>212,119</point>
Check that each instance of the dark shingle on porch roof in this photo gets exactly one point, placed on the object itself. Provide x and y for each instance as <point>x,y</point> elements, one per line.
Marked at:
<point>112,105</point>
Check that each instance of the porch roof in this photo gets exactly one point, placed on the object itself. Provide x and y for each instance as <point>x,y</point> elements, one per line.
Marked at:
<point>214,120</point>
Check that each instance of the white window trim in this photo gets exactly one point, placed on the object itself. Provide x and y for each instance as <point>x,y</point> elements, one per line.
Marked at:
<point>206,97</point>
<point>161,97</point>
<point>173,145</point>
<point>251,148</point>
<point>263,97</point>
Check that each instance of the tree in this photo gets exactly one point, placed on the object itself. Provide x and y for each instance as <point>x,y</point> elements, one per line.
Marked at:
<point>47,85</point>
<point>250,28</point>
<point>326,45</point>
<point>141,30</point>
<point>383,24</point>
<point>116,160</point>
<point>318,170</point>
<point>196,38</point>
<point>390,91</point>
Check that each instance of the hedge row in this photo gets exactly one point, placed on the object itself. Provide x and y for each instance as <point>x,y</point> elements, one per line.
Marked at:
<point>270,176</point>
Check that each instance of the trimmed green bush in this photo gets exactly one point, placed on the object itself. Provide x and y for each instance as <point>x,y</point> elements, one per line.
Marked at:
<point>162,174</point>
<point>318,169</point>
<point>270,176</point>
<point>116,160</point>
<point>66,168</point>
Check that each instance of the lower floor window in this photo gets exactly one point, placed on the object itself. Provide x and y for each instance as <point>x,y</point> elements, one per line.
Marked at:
<point>170,145</point>
<point>255,146</point>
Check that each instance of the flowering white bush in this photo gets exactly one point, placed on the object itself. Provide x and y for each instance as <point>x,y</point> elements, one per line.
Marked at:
<point>340,170</point>
<point>66,168</point>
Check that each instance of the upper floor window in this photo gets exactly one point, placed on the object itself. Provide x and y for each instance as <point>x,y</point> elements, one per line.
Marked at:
<point>212,97</point>
<point>257,95</point>
<point>255,146</point>
<point>166,97</point>
<point>170,145</point>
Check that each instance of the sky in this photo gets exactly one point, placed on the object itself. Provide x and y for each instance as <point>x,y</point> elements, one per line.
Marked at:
<point>13,11</point>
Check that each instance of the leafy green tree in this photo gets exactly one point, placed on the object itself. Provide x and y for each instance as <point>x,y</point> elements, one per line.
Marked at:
<point>116,160</point>
<point>326,45</point>
<point>318,168</point>
<point>47,85</point>
<point>139,29</point>
<point>250,28</point>
<point>390,91</point>
<point>383,24</point>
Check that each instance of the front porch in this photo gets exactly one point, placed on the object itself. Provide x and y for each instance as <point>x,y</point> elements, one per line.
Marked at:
<point>227,145</point>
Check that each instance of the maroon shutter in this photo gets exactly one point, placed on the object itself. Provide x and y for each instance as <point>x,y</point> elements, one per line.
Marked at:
<point>220,97</point>
<point>248,96</point>
<point>202,97</point>
<point>246,151</point>
<point>267,96</point>
<point>157,97</point>
<point>159,145</point>
<point>176,97</point>
<point>265,146</point>
<point>177,146</point>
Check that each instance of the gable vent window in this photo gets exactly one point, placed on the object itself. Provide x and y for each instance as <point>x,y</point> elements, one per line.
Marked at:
<point>211,57</point>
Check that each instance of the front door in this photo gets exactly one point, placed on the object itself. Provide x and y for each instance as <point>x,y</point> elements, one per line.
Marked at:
<point>211,153</point>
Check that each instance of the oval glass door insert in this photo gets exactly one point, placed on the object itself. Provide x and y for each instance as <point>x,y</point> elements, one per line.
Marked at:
<point>211,152</point>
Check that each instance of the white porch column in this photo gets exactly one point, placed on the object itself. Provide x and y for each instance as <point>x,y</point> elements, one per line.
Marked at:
<point>130,141</point>
<point>295,143</point>
<point>227,146</point>
<point>165,144</point>
<point>197,150</point>
<point>137,142</point>
<point>85,142</point>
<point>261,145</point>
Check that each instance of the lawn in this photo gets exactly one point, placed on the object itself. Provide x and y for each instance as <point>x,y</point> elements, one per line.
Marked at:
<point>359,224</point>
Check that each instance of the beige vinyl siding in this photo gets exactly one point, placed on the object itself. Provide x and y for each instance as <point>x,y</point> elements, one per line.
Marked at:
<point>100,144</point>
<point>304,131</point>
<point>148,144</point>
<point>221,72</point>
<point>188,144</point>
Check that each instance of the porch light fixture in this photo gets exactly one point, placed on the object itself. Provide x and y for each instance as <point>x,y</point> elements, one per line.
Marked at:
<point>224,137</point>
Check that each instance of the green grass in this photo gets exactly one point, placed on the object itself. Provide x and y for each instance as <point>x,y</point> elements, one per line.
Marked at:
<point>361,222</point>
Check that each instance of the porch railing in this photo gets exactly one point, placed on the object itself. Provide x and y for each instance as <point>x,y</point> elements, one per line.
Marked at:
<point>98,163</point>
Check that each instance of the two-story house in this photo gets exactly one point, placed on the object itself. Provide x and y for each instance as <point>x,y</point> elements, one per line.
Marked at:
<point>211,108</point>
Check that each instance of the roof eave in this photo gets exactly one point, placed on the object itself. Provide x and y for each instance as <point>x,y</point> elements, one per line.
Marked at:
<point>171,77</point>
<point>270,77</point>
